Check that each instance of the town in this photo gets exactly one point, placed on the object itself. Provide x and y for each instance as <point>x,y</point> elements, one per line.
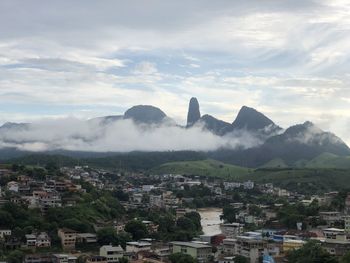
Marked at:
<point>81,214</point>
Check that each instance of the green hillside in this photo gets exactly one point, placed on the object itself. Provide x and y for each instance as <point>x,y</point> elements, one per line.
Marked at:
<point>329,160</point>
<point>275,163</point>
<point>205,168</point>
<point>304,180</point>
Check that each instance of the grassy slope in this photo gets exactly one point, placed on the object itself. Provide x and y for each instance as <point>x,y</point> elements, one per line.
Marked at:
<point>318,180</point>
<point>275,163</point>
<point>328,160</point>
<point>304,180</point>
<point>206,167</point>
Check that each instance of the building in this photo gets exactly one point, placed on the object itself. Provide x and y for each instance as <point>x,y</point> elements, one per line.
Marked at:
<point>229,246</point>
<point>86,238</point>
<point>231,230</point>
<point>291,244</point>
<point>337,241</point>
<point>248,185</point>
<point>138,246</point>
<point>63,258</point>
<point>30,240</point>
<point>250,247</point>
<point>199,251</point>
<point>347,223</point>
<point>347,205</point>
<point>112,253</point>
<point>68,238</point>
<point>96,259</point>
<point>155,201</point>
<point>38,258</point>
<point>330,217</point>
<point>4,233</point>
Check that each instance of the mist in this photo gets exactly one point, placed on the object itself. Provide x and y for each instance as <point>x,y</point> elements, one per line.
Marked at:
<point>118,136</point>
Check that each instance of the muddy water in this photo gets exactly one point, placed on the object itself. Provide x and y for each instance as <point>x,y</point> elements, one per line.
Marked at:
<point>210,220</point>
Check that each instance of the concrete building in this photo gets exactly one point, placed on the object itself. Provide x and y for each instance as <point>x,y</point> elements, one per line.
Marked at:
<point>112,253</point>
<point>4,233</point>
<point>63,258</point>
<point>337,241</point>
<point>199,251</point>
<point>68,238</point>
<point>231,230</point>
<point>291,244</point>
<point>250,248</point>
<point>96,259</point>
<point>155,201</point>
<point>330,217</point>
<point>138,246</point>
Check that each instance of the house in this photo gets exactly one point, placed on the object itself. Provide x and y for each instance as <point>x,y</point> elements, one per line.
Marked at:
<point>13,186</point>
<point>291,244</point>
<point>68,238</point>
<point>138,246</point>
<point>96,259</point>
<point>63,258</point>
<point>347,223</point>
<point>330,217</point>
<point>337,241</point>
<point>229,246</point>
<point>43,240</point>
<point>155,201</point>
<point>250,247</point>
<point>30,240</point>
<point>199,251</point>
<point>137,198</point>
<point>38,258</point>
<point>231,230</point>
<point>227,260</point>
<point>112,253</point>
<point>86,238</point>
<point>4,233</point>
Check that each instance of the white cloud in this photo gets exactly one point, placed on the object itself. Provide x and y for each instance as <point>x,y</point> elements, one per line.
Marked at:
<point>120,136</point>
<point>289,58</point>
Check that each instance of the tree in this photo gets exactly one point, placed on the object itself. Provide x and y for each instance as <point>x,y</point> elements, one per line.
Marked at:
<point>184,223</point>
<point>15,256</point>
<point>311,252</point>
<point>229,214</point>
<point>181,258</point>
<point>123,260</point>
<point>137,229</point>
<point>106,236</point>
<point>241,259</point>
<point>345,258</point>
<point>196,219</point>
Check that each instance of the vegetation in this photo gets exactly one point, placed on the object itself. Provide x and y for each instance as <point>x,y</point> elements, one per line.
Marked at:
<point>311,252</point>
<point>181,258</point>
<point>203,167</point>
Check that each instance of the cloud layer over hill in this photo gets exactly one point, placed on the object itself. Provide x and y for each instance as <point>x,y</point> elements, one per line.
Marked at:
<point>119,136</point>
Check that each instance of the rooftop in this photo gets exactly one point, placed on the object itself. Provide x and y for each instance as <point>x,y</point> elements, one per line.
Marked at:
<point>190,244</point>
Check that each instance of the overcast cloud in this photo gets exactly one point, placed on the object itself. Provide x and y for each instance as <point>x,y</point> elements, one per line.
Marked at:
<point>82,59</point>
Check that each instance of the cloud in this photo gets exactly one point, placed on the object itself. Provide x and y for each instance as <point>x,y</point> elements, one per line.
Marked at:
<point>145,68</point>
<point>119,136</point>
<point>288,59</point>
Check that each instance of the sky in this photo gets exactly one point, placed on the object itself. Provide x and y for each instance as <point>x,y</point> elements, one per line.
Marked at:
<point>288,59</point>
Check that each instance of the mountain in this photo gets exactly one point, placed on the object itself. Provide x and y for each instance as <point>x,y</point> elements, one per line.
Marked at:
<point>13,125</point>
<point>193,114</point>
<point>252,120</point>
<point>145,114</point>
<point>107,119</point>
<point>302,141</point>
<point>308,139</point>
<point>214,125</point>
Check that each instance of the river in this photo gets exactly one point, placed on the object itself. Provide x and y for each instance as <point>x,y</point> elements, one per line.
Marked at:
<point>210,220</point>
